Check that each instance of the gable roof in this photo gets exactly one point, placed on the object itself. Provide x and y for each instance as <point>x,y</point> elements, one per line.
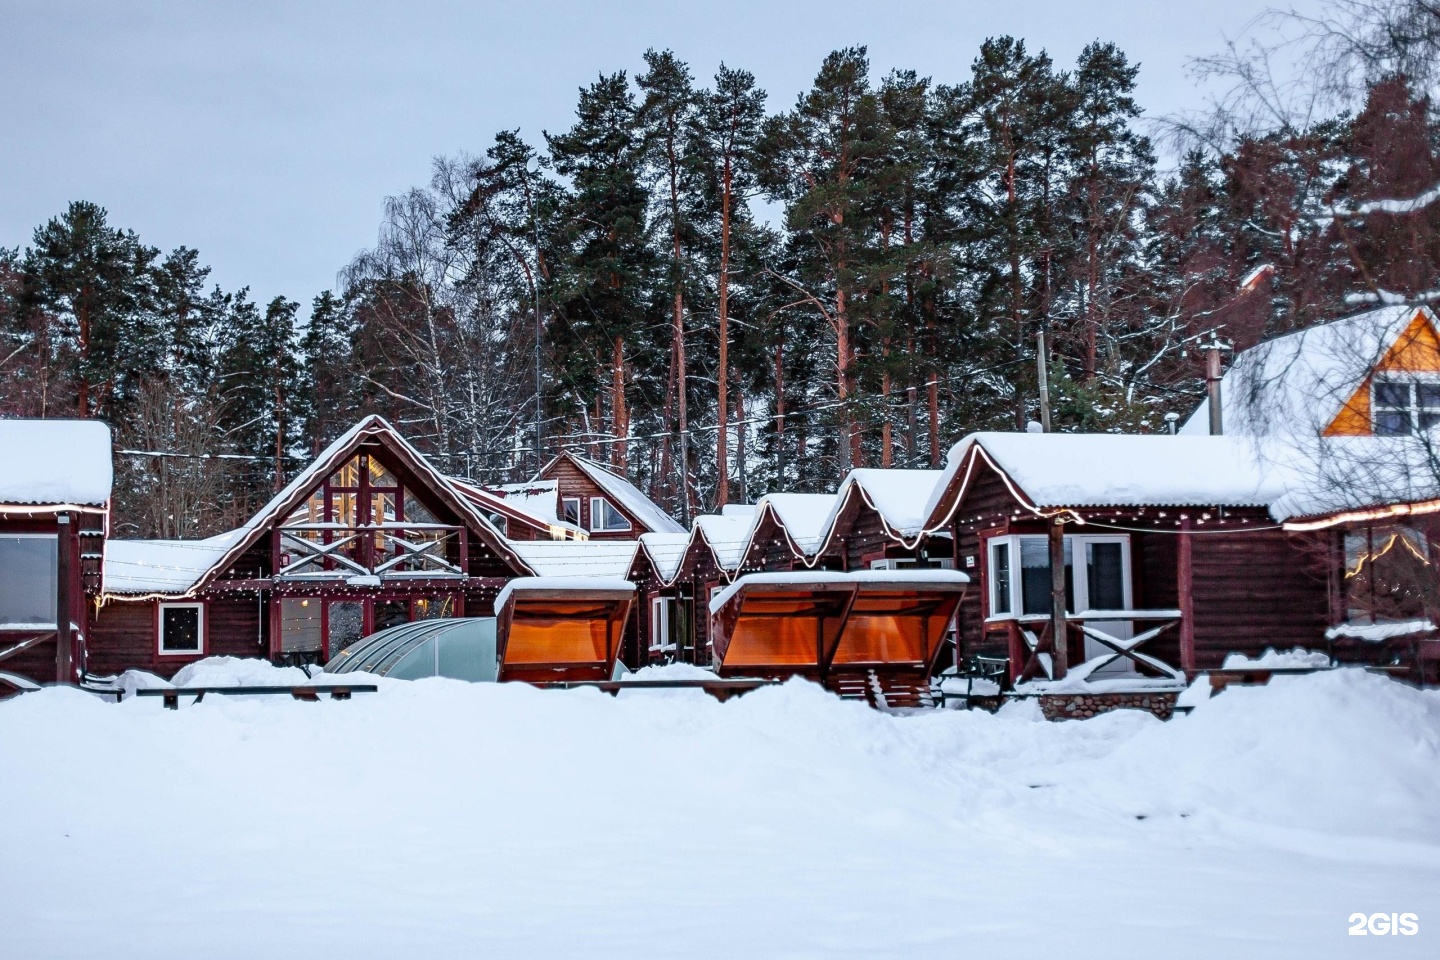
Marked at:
<point>666,551</point>
<point>578,558</point>
<point>1298,383</point>
<point>372,428</point>
<point>627,496</point>
<point>1114,470</point>
<point>55,462</point>
<point>527,507</point>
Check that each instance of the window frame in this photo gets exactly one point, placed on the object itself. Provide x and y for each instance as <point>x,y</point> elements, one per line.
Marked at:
<point>201,633</point>
<point>1413,408</point>
<point>661,611</point>
<point>54,622</point>
<point>565,513</point>
<point>614,510</point>
<point>1080,586</point>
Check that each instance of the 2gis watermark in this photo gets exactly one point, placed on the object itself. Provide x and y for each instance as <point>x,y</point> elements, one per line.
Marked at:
<point>1383,924</point>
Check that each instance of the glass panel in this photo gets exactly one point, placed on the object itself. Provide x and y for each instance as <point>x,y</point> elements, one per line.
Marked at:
<point>299,624</point>
<point>382,508</point>
<point>417,512</point>
<point>773,641</point>
<point>604,517</point>
<point>434,608</point>
<point>344,506</point>
<point>28,579</point>
<point>347,624</point>
<point>180,629</point>
<point>1105,575</point>
<point>1392,394</point>
<point>1035,576</point>
<point>1428,394</point>
<point>380,476</point>
<point>419,662</point>
<point>557,640</point>
<point>468,652</point>
<point>1000,578</point>
<point>390,613</point>
<point>1392,423</point>
<point>1429,418</point>
<point>348,475</point>
<point>572,510</point>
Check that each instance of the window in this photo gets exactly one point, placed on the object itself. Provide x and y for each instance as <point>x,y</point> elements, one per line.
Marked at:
<point>604,518</point>
<point>660,612</point>
<point>29,578</point>
<point>1405,406</point>
<point>299,624</point>
<point>570,510</point>
<point>1105,584</point>
<point>182,629</point>
<point>1388,573</point>
<point>500,522</point>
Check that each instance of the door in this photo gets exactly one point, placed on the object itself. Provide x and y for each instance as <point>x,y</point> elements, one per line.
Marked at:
<point>1106,585</point>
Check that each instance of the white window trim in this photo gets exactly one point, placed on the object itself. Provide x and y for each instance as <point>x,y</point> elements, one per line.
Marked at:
<point>564,514</point>
<point>613,509</point>
<point>160,631</point>
<point>1408,379</point>
<point>661,609</point>
<point>1077,543</point>
<point>53,625</point>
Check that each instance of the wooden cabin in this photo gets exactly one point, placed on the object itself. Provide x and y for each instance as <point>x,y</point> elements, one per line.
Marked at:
<point>600,501</point>
<point>55,485</point>
<point>522,511</point>
<point>1169,552</point>
<point>368,536</point>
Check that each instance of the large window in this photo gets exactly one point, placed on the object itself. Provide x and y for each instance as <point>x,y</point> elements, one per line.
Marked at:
<point>1405,406</point>
<point>1104,584</point>
<point>1389,574</point>
<point>182,629</point>
<point>28,579</point>
<point>604,518</point>
<point>300,624</point>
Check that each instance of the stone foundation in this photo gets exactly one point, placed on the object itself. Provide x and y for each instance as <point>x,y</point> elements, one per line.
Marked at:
<point>1078,706</point>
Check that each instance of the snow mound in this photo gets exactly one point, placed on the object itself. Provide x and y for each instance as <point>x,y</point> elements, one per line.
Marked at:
<point>671,671</point>
<point>237,672</point>
<point>1272,658</point>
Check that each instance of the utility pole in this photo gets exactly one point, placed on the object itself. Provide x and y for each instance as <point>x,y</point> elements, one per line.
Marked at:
<point>1043,377</point>
<point>539,336</point>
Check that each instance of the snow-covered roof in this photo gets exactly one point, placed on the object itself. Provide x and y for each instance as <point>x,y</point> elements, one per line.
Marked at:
<point>1335,474</point>
<point>532,504</point>
<point>898,496</point>
<point>165,567</point>
<point>728,538</point>
<point>738,510</point>
<point>666,551</point>
<point>540,498</point>
<point>805,516</point>
<point>577,558</point>
<point>948,579</point>
<point>598,584</point>
<point>628,496</point>
<point>55,462</point>
<point>1109,469</point>
<point>1297,384</point>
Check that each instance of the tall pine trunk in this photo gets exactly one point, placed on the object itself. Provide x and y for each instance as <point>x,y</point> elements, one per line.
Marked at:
<point>722,448</point>
<point>619,413</point>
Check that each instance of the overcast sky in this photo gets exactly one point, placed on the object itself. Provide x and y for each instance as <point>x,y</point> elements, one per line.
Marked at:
<point>266,135</point>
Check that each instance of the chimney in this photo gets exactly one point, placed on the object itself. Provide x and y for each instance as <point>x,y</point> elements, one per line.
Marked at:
<point>1213,348</point>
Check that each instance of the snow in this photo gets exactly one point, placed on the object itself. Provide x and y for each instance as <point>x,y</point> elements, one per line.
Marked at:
<point>796,578</point>
<point>169,567</point>
<point>1297,383</point>
<point>1387,205</point>
<point>899,496</point>
<point>237,672</point>
<point>666,552</point>
<point>443,819</point>
<point>578,584</point>
<point>628,496</point>
<point>1272,658</point>
<point>1109,469</point>
<point>1335,474</point>
<point>728,538</point>
<point>539,498</point>
<point>805,517</point>
<point>577,558</point>
<point>55,462</point>
<point>738,510</point>
<point>1377,632</point>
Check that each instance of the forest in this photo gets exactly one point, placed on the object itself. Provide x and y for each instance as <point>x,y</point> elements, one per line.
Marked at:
<point>721,295</point>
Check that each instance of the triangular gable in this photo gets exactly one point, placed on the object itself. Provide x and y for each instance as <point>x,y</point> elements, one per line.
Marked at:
<point>641,511</point>
<point>1415,350</point>
<point>372,428</point>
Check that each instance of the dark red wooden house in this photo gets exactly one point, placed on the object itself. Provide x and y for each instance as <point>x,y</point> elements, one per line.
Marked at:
<point>607,505</point>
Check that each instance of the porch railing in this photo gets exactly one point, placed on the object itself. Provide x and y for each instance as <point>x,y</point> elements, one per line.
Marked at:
<point>1035,633</point>
<point>332,550</point>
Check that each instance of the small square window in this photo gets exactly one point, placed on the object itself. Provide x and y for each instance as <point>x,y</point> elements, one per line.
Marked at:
<point>1392,423</point>
<point>182,628</point>
<point>570,510</point>
<point>1392,394</point>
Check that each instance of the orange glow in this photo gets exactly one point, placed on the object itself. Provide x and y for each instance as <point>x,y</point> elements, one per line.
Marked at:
<point>1417,350</point>
<point>1364,516</point>
<point>893,628</point>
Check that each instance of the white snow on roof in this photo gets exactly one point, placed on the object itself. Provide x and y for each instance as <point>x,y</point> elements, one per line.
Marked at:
<point>899,496</point>
<point>1297,383</point>
<point>666,551</point>
<point>576,584</point>
<point>728,537</point>
<point>1108,469</point>
<point>539,498</point>
<point>805,516</point>
<point>55,462</point>
<point>577,558</point>
<point>169,567</point>
<point>1333,474</point>
<point>628,496</point>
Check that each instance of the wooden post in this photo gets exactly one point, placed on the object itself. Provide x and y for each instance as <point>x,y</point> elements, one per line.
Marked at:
<point>1185,596</point>
<point>64,658</point>
<point>1058,645</point>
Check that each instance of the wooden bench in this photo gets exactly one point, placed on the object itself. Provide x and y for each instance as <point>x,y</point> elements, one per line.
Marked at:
<point>172,695</point>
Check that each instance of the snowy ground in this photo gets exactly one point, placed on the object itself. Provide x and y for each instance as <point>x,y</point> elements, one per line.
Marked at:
<point>439,819</point>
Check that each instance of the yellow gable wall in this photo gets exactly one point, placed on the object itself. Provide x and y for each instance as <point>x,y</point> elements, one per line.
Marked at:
<point>1417,350</point>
